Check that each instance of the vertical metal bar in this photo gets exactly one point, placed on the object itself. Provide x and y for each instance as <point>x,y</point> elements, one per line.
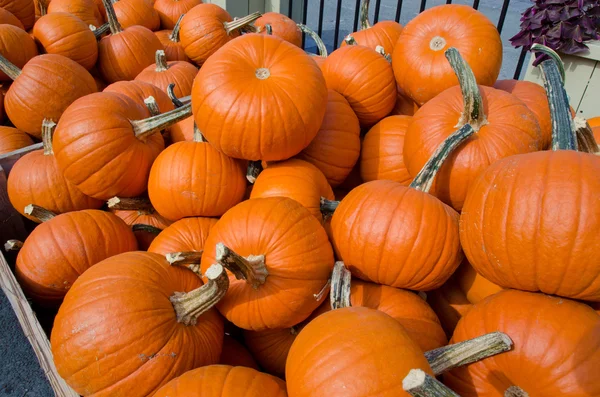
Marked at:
<point>304,18</point>
<point>520,63</point>
<point>476,4</point>
<point>338,14</point>
<point>290,4</point>
<point>377,7</point>
<point>423,5</point>
<point>448,1</point>
<point>398,10</point>
<point>321,17</point>
<point>503,15</point>
<point>356,15</point>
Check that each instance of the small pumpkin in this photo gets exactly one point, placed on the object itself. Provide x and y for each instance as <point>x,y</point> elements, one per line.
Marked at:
<point>450,304</point>
<point>170,11</point>
<point>139,211</point>
<point>86,10</point>
<point>172,44</point>
<point>236,355</point>
<point>12,139</point>
<point>270,347</point>
<point>185,235</point>
<point>282,27</point>
<point>594,122</point>
<point>381,154</point>
<point>418,59</point>
<point>17,47</point>
<point>163,73</point>
<point>137,12</point>
<point>474,285</point>
<point>22,9</point>
<point>183,130</point>
<point>7,17</point>
<point>140,91</point>
<point>404,105</point>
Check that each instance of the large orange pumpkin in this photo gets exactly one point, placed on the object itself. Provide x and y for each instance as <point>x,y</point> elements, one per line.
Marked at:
<point>137,12</point>
<point>555,348</point>
<point>22,9</point>
<point>183,130</point>
<point>172,43</point>
<point>134,322</point>
<point>235,354</point>
<point>285,257</point>
<point>7,17</point>
<point>86,10</point>
<point>170,11</point>
<point>336,148</point>
<point>185,235</point>
<point>139,91</point>
<point>17,47</point>
<point>246,80</point>
<point>365,79</point>
<point>281,26</point>
<point>163,73</point>
<point>13,139</point>
<point>474,285</point>
<point>449,303</point>
<point>421,69</point>
<point>61,249</point>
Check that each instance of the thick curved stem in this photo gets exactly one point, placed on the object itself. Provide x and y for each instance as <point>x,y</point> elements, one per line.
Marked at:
<point>549,52</point>
<point>318,41</point>
<point>341,280</point>
<point>130,204</point>
<point>515,391</point>
<point>349,40</point>
<point>174,36</point>
<point>253,171</point>
<point>12,245</point>
<point>364,15</point>
<point>252,268</point>
<point>328,207</point>
<point>146,127</point>
<point>113,22</point>
<point>140,227</point>
<point>171,93</point>
<point>325,290</point>
<point>191,305</point>
<point>99,31</point>
<point>241,22</point>
<point>419,384</point>
<point>48,127</point>
<point>39,213</point>
<point>425,177</point>
<point>585,136</point>
<point>184,257</point>
<point>161,61</point>
<point>8,68</point>
<point>473,103</point>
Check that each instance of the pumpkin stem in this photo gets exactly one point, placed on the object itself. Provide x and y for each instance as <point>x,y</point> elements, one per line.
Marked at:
<point>189,259</point>
<point>349,40</point>
<point>171,93</point>
<point>425,177</point>
<point>252,268</point>
<point>563,132</point>
<point>515,391</point>
<point>323,290</point>
<point>191,305</point>
<point>316,38</point>
<point>469,351</point>
<point>161,61</point>
<point>48,127</point>
<point>130,204</point>
<point>39,213</point>
<point>113,22</point>
<point>43,7</point>
<point>364,15</point>
<point>585,136</point>
<point>341,280</point>
<point>140,227</point>
<point>152,106</point>
<point>473,103</point>
<point>8,68</point>
<point>253,171</point>
<point>419,384</point>
<point>240,23</point>
<point>99,31</point>
<point>198,137</point>
<point>380,50</point>
<point>269,29</point>
<point>328,207</point>
<point>146,127</point>
<point>12,245</point>
<point>174,36</point>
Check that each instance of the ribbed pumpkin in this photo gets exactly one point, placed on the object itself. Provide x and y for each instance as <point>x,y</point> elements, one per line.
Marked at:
<point>285,258</point>
<point>365,79</point>
<point>236,355</point>
<point>65,34</point>
<point>474,285</point>
<point>124,53</point>
<point>163,73</point>
<point>248,79</point>
<point>555,348</point>
<point>270,347</point>
<point>504,126</point>
<point>449,303</point>
<point>36,179</point>
<point>185,235</point>
<point>7,17</point>
<point>297,180</point>
<point>224,381</point>
<point>171,42</point>
<point>169,11</point>
<point>183,131</point>
<point>381,154</point>
<point>137,211</point>
<point>139,91</point>
<point>134,322</point>
<point>44,88</point>
<point>421,69</point>
<point>282,27</point>
<point>16,46</point>
<point>86,10</point>
<point>594,122</point>
<point>13,139</point>
<point>62,248</point>
<point>404,105</point>
<point>22,9</point>
<point>336,148</point>
<point>137,12</point>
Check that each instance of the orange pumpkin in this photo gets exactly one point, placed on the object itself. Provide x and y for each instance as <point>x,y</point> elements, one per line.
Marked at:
<point>594,122</point>
<point>183,131</point>
<point>450,304</point>
<point>365,79</point>
<point>126,321</point>
<point>235,354</point>
<point>185,235</point>
<point>170,11</point>
<point>61,249</point>
<point>383,34</point>
<point>249,78</point>
<point>163,73</point>
<point>474,285</point>
<point>382,151</point>
<point>336,148</point>
<point>404,105</point>
<point>270,347</point>
<point>566,337</point>
<point>17,47</point>
<point>86,10</point>
<point>13,139</point>
<point>421,69</point>
<point>137,12</point>
<point>22,9</point>
<point>223,381</point>
<point>139,91</point>
<point>171,42</point>
<point>269,238</point>
<point>138,213</point>
<point>7,17</point>
<point>282,27</point>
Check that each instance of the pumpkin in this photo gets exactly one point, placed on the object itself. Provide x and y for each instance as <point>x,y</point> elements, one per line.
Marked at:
<point>86,10</point>
<point>224,381</point>
<point>101,9</point>
<point>336,148</point>
<point>172,44</point>
<point>137,12</point>
<point>594,122</point>
<point>206,183</point>
<point>450,303</point>
<point>108,133</point>
<point>566,336</point>
<point>17,47</point>
<point>63,247</point>
<point>163,73</point>
<point>123,54</point>
<point>282,27</point>
<point>538,208</point>
<point>249,78</point>
<point>365,79</point>
<point>140,91</point>
<point>206,28</point>
<point>138,211</point>
<point>270,347</point>
<point>297,180</point>
<point>6,17</point>
<point>184,130</point>
<point>338,350</point>
<point>185,235</point>
<point>12,139</point>
<point>381,153</point>
<point>22,9</point>
<point>474,285</point>
<point>134,322</point>
<point>420,67</point>
<point>404,105</point>
<point>269,238</point>
<point>170,11</point>
<point>65,34</point>
<point>322,49</point>
<point>44,88</point>
<point>504,126</point>
<point>235,354</point>
<point>36,179</point>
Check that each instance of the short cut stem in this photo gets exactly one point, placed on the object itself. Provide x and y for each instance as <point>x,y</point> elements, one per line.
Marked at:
<point>328,207</point>
<point>515,391</point>
<point>101,30</point>
<point>241,22</point>
<point>48,127</point>
<point>341,280</point>
<point>140,227</point>
<point>198,137</point>
<point>146,127</point>
<point>130,204</point>
<point>39,213</point>
<point>252,268</point>
<point>419,384</point>
<point>253,171</point>
<point>113,22</point>
<point>585,136</point>
<point>184,257</point>
<point>349,40</point>
<point>12,245</point>
<point>161,61</point>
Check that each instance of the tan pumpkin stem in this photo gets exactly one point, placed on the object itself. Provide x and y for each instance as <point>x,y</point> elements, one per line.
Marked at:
<point>328,207</point>
<point>198,137</point>
<point>161,61</point>
<point>349,40</point>
<point>39,213</point>
<point>269,29</point>
<point>424,179</point>
<point>189,259</point>
<point>146,127</point>
<point>323,290</point>
<point>585,136</point>
<point>449,357</point>
<point>174,36</point>
<point>515,391</point>
<point>12,245</point>
<point>48,127</point>
<point>42,7</point>
<point>191,305</point>
<point>152,106</point>
<point>419,384</point>
<point>341,280</point>
<point>113,22</point>
<point>140,227</point>
<point>253,171</point>
<point>318,41</point>
<point>101,30</point>
<point>473,102</point>
<point>252,268</point>
<point>364,15</point>
<point>171,93</point>
<point>294,330</point>
<point>8,68</point>
<point>241,22</point>
<point>130,204</point>
<point>380,50</point>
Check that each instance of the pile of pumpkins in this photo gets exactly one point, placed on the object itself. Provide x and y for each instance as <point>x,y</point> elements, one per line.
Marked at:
<point>196,185</point>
